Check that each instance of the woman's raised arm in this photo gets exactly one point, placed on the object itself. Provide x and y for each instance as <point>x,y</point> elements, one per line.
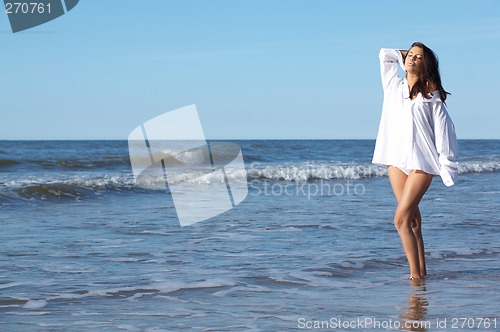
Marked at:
<point>389,61</point>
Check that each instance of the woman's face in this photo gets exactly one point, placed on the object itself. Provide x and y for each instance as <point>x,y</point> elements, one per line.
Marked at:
<point>414,60</point>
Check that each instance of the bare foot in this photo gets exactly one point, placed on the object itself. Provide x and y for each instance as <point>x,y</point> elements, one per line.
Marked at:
<point>411,278</point>
<point>417,281</point>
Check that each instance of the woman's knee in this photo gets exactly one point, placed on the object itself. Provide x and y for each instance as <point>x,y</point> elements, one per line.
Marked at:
<point>403,219</point>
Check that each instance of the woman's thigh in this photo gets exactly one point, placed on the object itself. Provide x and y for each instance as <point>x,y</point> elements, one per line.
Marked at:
<point>398,179</point>
<point>414,189</point>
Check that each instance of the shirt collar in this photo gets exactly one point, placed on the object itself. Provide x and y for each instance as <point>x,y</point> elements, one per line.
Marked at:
<point>406,93</point>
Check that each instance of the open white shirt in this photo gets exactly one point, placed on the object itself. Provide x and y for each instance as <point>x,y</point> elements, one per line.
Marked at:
<point>413,134</point>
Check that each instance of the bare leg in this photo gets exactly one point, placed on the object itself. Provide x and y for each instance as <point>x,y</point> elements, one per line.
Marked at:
<point>416,227</point>
<point>408,190</point>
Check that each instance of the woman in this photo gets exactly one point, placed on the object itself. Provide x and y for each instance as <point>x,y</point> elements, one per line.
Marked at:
<point>416,140</point>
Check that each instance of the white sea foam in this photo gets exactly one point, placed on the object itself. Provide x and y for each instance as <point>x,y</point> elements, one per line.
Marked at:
<point>35,304</point>
<point>29,313</point>
<point>196,156</point>
<point>11,284</point>
<point>138,291</point>
<point>478,167</point>
<point>128,327</point>
<point>324,172</point>
<point>168,286</point>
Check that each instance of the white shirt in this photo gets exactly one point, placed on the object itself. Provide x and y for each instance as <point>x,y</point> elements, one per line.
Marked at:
<point>413,134</point>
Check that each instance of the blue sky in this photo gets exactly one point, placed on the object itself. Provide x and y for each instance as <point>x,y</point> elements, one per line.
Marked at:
<point>275,69</point>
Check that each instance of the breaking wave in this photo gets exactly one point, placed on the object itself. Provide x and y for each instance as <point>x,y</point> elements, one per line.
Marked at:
<point>76,187</point>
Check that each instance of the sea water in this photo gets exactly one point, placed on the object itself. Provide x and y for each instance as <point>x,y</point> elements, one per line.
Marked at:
<point>312,246</point>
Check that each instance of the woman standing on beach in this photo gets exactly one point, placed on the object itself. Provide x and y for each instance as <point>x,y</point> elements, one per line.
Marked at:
<point>416,140</point>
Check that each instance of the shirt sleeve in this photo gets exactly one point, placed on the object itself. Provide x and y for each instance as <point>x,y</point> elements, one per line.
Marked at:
<point>389,60</point>
<point>446,144</point>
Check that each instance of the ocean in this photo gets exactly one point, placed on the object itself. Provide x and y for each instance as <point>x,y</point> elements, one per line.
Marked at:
<point>311,247</point>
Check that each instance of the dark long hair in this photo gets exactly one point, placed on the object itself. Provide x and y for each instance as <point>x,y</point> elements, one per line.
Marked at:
<point>428,75</point>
